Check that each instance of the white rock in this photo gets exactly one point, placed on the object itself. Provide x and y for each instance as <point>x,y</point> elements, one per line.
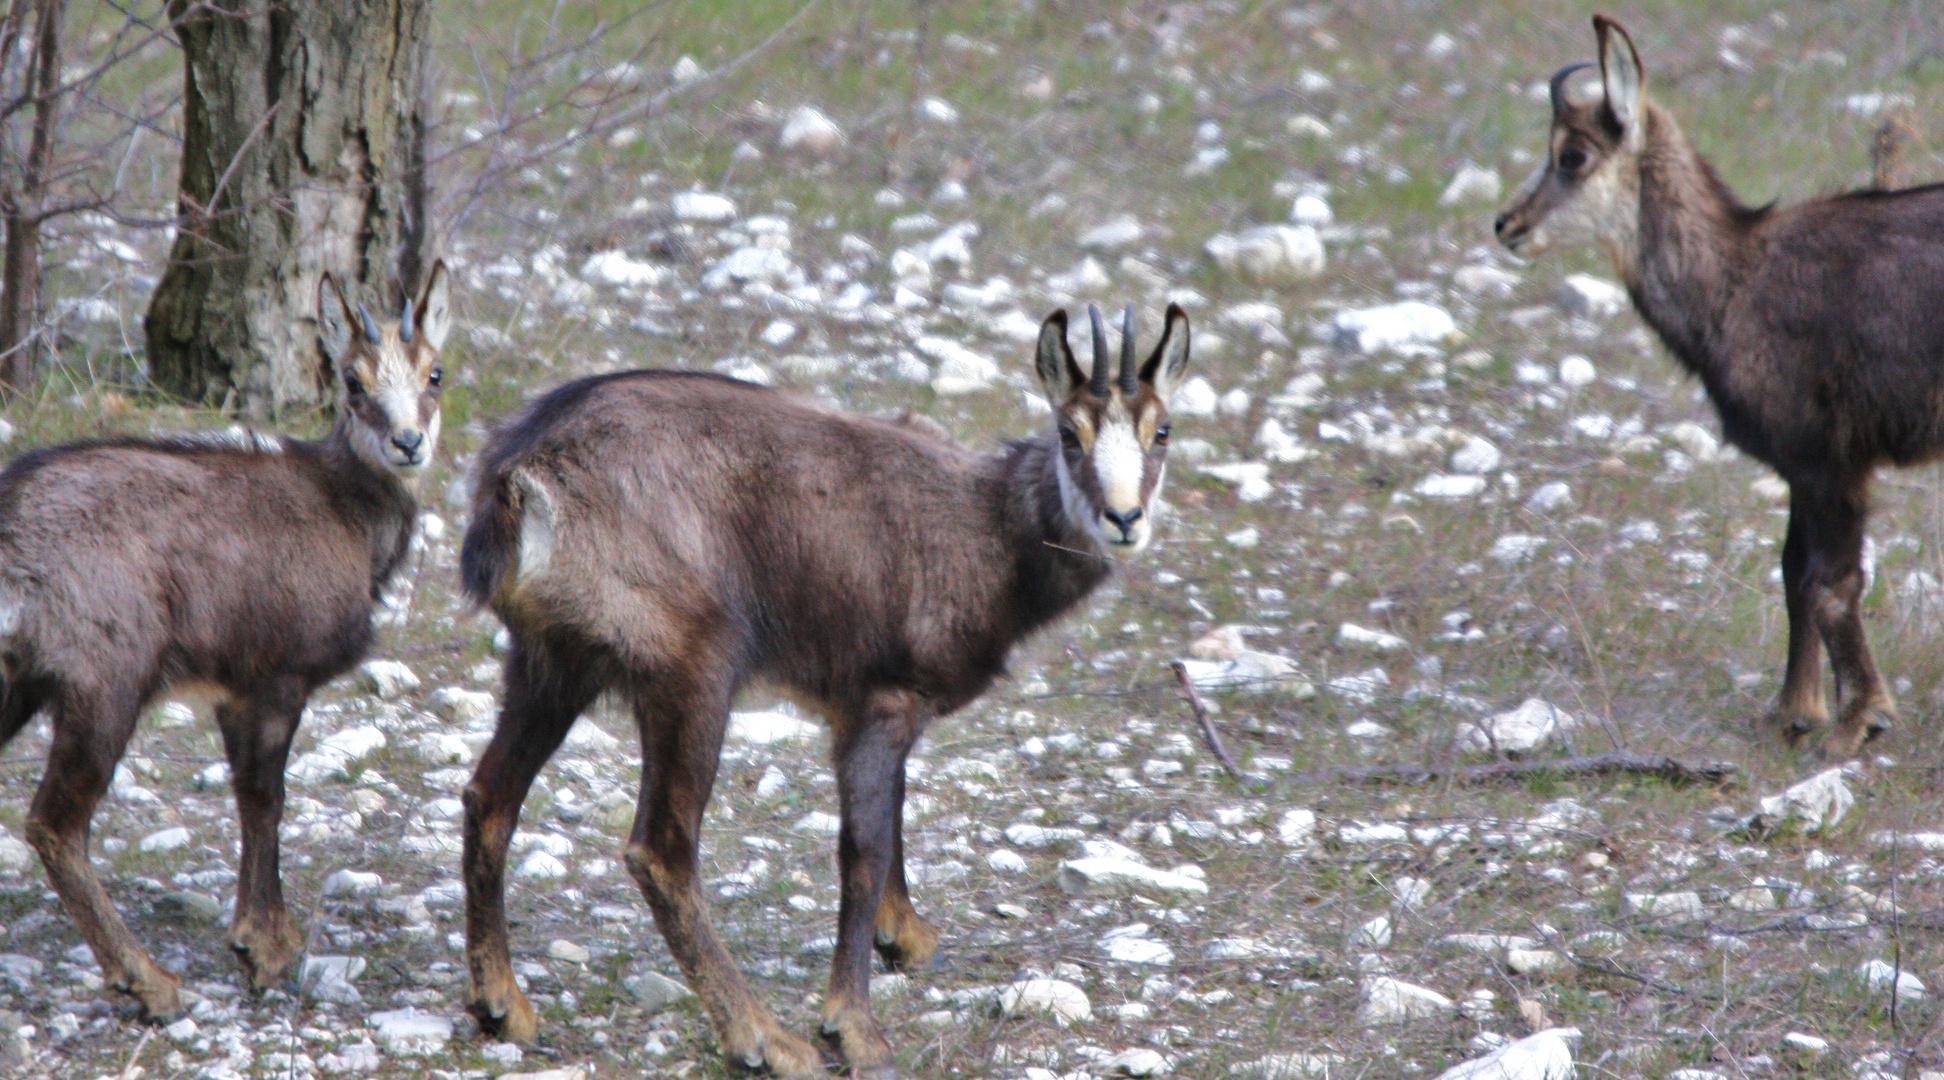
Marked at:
<point>541,865</point>
<point>1278,445</point>
<point>1005,861</point>
<point>164,840</point>
<point>655,991</point>
<point>1535,961</point>
<point>1112,234</point>
<point>960,370</point>
<point>1392,1001</point>
<point>1584,294</point>
<point>1288,1067</point>
<point>1234,403</point>
<point>1472,184</point>
<point>1880,975</point>
<point>1382,832</point>
<point>464,706</point>
<point>1087,276</point>
<point>1803,1042</point>
<point>808,130</point>
<point>1138,950</point>
<point>1445,486</point>
<point>1487,281</point>
<point>1136,1062</point>
<point>938,111</point>
<point>1517,731</point>
<point>686,70</point>
<point>1252,671</point>
<point>15,854</point>
<point>1699,442</point>
<point>1410,893</point>
<point>769,728</point>
<point>410,1032</point>
<point>1551,497</point>
<point>1028,835</point>
<point>616,268</point>
<point>1752,898</point>
<point>1311,210</point>
<point>1546,1055</point>
<point>1251,478</point>
<point>1493,945</point>
<point>1297,827</point>
<point>1269,254</point>
<point>1476,457</point>
<point>1195,397</point>
<point>1515,547</point>
<point>1577,371</point>
<point>1305,126</point>
<point>1393,326</point>
<point>1372,934</point>
<point>329,978</point>
<point>749,264</point>
<point>704,206</point>
<point>818,823</point>
<point>386,678</point>
<point>352,883</point>
<point>1247,536</point>
<point>1119,878</point>
<point>182,1030</point>
<point>1818,803</point>
<point>569,951</point>
<point>442,748</point>
<point>1685,906</point>
<point>1352,634</point>
<point>1057,998</point>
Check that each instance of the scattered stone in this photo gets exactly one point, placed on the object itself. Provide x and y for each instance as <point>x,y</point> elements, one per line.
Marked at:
<point>1577,371</point>
<point>1373,934</point>
<point>1269,254</point>
<point>1880,975</point>
<point>164,840</point>
<point>1057,998</point>
<point>1288,1067</point>
<point>1753,898</point>
<point>572,953</point>
<point>1551,497</point>
<point>329,978</point>
<point>702,206</point>
<point>655,991</point>
<point>1473,183</point>
<point>1112,234</point>
<point>1518,731</point>
<point>1592,297</point>
<point>1120,878</point>
<point>809,131</point>
<point>1546,1055</point>
<point>1476,457</point>
<point>1243,949</point>
<point>1804,1043</point>
<point>769,728</point>
<point>1443,486</point>
<point>938,111</point>
<point>541,864</point>
<point>334,756</point>
<point>960,370</point>
<point>1668,907</point>
<point>615,267</point>
<point>1817,803</point>
<point>1250,671</point>
<point>1393,327</point>
<point>193,906</point>
<point>410,1032</point>
<point>386,678</point>
<point>1297,827</point>
<point>1311,209</point>
<point>1486,281</point>
<point>1535,961</point>
<point>465,706</point>
<point>1383,641</point>
<point>1135,1062</point>
<point>1392,1001</point>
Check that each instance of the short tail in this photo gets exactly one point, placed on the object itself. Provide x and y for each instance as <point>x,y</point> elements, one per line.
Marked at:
<point>492,545</point>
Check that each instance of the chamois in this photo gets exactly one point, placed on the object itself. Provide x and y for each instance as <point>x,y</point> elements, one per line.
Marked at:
<point>236,569</point>
<point>669,536</point>
<point>1812,327</point>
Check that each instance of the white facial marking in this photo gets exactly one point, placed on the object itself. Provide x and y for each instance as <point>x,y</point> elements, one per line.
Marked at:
<point>1605,211</point>
<point>396,389</point>
<point>1119,462</point>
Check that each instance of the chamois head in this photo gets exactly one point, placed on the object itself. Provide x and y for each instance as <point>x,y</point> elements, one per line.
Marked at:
<point>389,372</point>
<point>1113,433</point>
<point>1588,188</point>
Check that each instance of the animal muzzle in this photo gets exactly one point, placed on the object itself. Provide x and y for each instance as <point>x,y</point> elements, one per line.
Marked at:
<point>407,448</point>
<point>1122,522</point>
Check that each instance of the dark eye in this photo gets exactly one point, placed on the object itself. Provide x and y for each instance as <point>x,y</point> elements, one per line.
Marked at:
<point>1069,438</point>
<point>352,387</point>
<point>1572,159</point>
<point>438,374</point>
<point>1161,435</point>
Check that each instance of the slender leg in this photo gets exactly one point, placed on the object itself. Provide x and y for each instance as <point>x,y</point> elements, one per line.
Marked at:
<point>905,941</point>
<point>91,730</point>
<point>1801,710</point>
<point>871,753</point>
<point>681,738</point>
<point>1835,594</point>
<point>256,735</point>
<point>542,700</point>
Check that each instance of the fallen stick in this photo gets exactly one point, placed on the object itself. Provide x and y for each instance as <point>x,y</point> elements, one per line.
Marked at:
<point>1670,769</point>
<point>1208,726</point>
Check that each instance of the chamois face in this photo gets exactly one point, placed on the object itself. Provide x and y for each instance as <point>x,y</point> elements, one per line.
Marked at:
<point>1588,188</point>
<point>1113,434</point>
<point>389,372</point>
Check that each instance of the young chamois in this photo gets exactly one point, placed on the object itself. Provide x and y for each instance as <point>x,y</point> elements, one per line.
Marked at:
<point>241,570</point>
<point>1814,329</point>
<point>670,536</point>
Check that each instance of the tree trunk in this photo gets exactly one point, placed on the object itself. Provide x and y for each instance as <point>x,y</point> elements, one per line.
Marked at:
<point>21,212</point>
<point>297,117</point>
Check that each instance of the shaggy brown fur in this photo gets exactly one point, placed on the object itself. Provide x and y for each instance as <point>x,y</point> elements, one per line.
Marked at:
<point>671,536</point>
<point>1812,327</point>
<point>239,568</point>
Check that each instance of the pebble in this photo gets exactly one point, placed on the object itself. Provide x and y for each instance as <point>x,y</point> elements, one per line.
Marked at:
<point>807,130</point>
<point>1113,234</point>
<point>1195,397</point>
<point>655,991</point>
<point>1592,297</point>
<point>1518,731</point>
<point>1544,1055</point>
<point>1057,998</point>
<point>1472,183</point>
<point>1880,975</point>
<point>164,840</point>
<point>1269,254</point>
<point>1119,878</point>
<point>410,1032</point>
<point>387,678</point>
<point>1391,327</point>
<point>1684,906</point>
<point>1392,1001</point>
<point>702,206</point>
<point>572,953</point>
<point>769,728</point>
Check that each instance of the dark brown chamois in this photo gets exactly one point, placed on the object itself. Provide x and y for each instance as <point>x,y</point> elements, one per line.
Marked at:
<point>1814,329</point>
<point>671,536</point>
<point>238,569</point>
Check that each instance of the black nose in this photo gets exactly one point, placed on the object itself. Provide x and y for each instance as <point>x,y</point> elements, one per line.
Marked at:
<point>1498,225</point>
<point>409,441</point>
<point>1123,520</point>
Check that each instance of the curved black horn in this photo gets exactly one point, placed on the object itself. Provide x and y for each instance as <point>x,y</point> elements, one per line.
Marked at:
<point>1559,84</point>
<point>370,325</point>
<point>1129,383</point>
<point>1097,383</point>
<point>405,322</point>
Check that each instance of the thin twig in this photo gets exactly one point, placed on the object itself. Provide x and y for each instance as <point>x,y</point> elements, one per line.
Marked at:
<point>131,1070</point>
<point>1214,738</point>
<point>1673,770</point>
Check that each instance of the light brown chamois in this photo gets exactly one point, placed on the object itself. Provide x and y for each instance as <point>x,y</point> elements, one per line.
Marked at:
<point>671,536</point>
<point>1814,329</point>
<point>239,569</point>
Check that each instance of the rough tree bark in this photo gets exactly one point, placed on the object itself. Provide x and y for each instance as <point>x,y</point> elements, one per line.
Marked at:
<point>22,191</point>
<point>297,121</point>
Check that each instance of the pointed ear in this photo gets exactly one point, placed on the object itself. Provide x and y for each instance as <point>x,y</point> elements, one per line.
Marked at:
<point>1169,360</point>
<point>334,321</point>
<point>1059,373</point>
<point>434,308</point>
<point>1621,75</point>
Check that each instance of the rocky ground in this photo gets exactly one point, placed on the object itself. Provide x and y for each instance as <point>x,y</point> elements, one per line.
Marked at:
<point>1429,503</point>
